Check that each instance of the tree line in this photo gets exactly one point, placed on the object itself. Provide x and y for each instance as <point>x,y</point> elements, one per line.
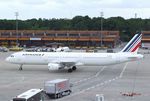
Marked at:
<point>127,27</point>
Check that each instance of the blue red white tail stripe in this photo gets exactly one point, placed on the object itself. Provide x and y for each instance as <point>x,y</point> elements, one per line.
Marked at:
<point>133,44</point>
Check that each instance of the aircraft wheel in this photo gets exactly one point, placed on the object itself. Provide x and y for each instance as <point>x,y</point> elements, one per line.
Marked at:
<point>74,68</point>
<point>70,70</point>
<point>69,92</point>
<point>20,68</point>
<point>59,95</point>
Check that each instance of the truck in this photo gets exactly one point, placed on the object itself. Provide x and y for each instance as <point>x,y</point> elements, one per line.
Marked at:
<point>57,88</point>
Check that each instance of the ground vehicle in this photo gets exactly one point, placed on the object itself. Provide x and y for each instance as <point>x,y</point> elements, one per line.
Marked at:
<point>3,49</point>
<point>30,95</point>
<point>57,88</point>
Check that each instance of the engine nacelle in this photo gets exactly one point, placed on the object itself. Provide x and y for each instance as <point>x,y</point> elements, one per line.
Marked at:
<point>54,66</point>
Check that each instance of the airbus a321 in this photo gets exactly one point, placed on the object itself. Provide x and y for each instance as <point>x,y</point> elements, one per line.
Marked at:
<point>70,60</point>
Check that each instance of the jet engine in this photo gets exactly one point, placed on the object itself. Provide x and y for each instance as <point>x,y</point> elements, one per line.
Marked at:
<point>55,66</point>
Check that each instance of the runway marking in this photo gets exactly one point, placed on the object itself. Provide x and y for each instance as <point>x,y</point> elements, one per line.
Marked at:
<point>97,85</point>
<point>86,79</point>
<point>117,77</point>
<point>121,74</point>
<point>98,73</point>
<point>92,87</point>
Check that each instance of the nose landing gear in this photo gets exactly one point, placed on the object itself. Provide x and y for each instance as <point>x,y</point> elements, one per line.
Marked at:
<point>20,68</point>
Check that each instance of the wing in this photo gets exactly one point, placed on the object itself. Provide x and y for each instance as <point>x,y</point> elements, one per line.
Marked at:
<point>68,62</point>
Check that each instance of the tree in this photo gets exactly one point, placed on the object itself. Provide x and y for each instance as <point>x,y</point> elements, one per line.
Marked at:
<point>81,23</point>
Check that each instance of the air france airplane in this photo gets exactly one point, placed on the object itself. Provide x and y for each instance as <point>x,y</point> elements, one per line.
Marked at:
<point>70,60</point>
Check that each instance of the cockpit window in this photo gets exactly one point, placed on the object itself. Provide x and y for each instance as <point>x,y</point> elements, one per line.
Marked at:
<point>12,56</point>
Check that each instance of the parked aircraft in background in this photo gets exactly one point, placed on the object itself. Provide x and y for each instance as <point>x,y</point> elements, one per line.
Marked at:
<point>47,49</point>
<point>63,49</point>
<point>70,60</point>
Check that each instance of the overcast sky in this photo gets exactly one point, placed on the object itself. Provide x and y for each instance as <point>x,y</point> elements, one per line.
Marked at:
<point>29,9</point>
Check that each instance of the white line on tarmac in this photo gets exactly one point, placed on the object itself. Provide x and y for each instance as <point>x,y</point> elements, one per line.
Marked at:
<point>92,87</point>
<point>121,74</point>
<point>97,85</point>
<point>96,75</point>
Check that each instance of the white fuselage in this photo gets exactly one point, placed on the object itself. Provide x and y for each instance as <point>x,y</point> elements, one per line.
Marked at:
<point>90,59</point>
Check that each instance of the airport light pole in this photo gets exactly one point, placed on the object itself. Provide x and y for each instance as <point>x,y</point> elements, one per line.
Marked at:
<point>101,13</point>
<point>17,14</point>
<point>135,15</point>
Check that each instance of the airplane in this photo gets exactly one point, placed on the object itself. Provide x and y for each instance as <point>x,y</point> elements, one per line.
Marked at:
<point>70,60</point>
<point>63,49</point>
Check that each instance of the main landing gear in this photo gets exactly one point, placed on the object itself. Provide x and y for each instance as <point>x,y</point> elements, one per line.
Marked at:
<point>74,68</point>
<point>70,70</point>
<point>20,68</point>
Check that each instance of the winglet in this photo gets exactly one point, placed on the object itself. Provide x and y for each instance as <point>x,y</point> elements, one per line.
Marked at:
<point>134,44</point>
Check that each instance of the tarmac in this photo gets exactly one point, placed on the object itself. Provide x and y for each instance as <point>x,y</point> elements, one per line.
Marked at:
<point>121,82</point>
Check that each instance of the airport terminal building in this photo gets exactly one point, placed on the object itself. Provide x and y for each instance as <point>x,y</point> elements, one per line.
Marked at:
<point>146,36</point>
<point>68,38</point>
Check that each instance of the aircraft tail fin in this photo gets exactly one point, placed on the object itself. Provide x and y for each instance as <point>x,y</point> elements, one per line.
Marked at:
<point>134,44</point>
